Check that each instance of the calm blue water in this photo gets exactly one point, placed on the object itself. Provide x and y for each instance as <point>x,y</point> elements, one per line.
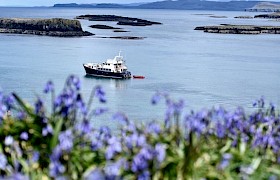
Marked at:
<point>204,69</point>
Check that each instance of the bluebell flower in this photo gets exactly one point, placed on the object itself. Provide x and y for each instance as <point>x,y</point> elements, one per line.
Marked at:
<point>100,94</point>
<point>121,117</point>
<point>56,168</point>
<point>3,161</point>
<point>112,170</point>
<point>9,101</point>
<point>3,111</point>
<point>84,127</point>
<point>95,174</point>
<point>38,106</point>
<point>17,176</point>
<point>21,115</point>
<point>156,98</point>
<point>49,87</point>
<point>144,175</point>
<point>100,111</point>
<point>114,146</point>
<point>47,130</point>
<point>24,136</point>
<point>75,81</point>
<point>35,156</point>
<point>9,140</point>
<point>160,150</point>
<point>153,128</point>
<point>225,161</point>
<point>81,105</point>
<point>139,163</point>
<point>220,130</point>
<point>66,140</point>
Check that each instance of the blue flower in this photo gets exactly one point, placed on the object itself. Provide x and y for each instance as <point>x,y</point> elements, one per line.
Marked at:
<point>75,81</point>
<point>225,161</point>
<point>56,169</point>
<point>9,101</point>
<point>24,136</point>
<point>66,140</point>
<point>95,174</point>
<point>113,148</point>
<point>100,94</point>
<point>49,87</point>
<point>160,151</point>
<point>100,111</point>
<point>17,176</point>
<point>84,127</point>
<point>38,106</point>
<point>156,98</point>
<point>121,117</point>
<point>144,175</point>
<point>47,130</point>
<point>3,161</point>
<point>9,140</point>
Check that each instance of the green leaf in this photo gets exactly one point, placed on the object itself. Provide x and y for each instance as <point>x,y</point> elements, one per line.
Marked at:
<point>56,132</point>
<point>27,109</point>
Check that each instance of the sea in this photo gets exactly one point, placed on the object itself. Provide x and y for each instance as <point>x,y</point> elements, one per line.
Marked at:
<point>203,69</point>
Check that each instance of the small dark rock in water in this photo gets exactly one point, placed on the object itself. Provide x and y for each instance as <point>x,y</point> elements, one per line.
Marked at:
<point>269,16</point>
<point>120,19</point>
<point>46,27</point>
<point>121,31</point>
<point>240,29</point>
<point>100,26</point>
<point>244,17</point>
<point>218,16</point>
<point>125,37</point>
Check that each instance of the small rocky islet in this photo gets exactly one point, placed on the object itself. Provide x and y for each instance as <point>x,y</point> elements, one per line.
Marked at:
<point>240,29</point>
<point>121,20</point>
<point>57,27</point>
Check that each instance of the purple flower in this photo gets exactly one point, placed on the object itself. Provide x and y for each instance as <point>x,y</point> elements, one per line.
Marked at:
<point>21,115</point>
<point>160,151</point>
<point>35,156</point>
<point>56,169</point>
<point>221,130</point>
<point>100,111</point>
<point>3,161</point>
<point>100,94</point>
<point>9,140</point>
<point>9,101</point>
<point>66,140</point>
<point>49,87</point>
<point>17,176</point>
<point>139,163</point>
<point>153,128</point>
<point>38,106</point>
<point>95,174</point>
<point>121,117</point>
<point>81,105</point>
<point>225,161</point>
<point>113,148</point>
<point>75,81</point>
<point>24,136</point>
<point>84,127</point>
<point>156,98</point>
<point>47,130</point>
<point>144,175</point>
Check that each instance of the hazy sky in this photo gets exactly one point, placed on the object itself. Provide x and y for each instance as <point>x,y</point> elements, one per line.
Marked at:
<point>51,2</point>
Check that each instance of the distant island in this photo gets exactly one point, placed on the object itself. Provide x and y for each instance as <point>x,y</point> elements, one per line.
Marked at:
<point>186,5</point>
<point>47,27</point>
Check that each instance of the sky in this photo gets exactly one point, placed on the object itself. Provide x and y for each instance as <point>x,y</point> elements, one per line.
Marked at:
<point>52,2</point>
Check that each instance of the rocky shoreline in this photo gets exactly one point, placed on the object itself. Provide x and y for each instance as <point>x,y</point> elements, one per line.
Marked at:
<point>240,29</point>
<point>57,27</point>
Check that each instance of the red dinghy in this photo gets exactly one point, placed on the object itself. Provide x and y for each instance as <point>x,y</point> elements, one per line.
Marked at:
<point>138,77</point>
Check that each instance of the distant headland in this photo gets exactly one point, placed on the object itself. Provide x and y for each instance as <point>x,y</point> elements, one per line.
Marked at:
<point>46,27</point>
<point>187,5</point>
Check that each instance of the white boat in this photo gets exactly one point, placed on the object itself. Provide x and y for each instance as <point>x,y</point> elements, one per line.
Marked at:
<point>111,68</point>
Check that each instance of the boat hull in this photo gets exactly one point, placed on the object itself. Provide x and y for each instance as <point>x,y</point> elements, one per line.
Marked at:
<point>105,74</point>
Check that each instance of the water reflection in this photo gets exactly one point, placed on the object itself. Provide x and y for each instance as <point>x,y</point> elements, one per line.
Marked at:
<point>119,84</point>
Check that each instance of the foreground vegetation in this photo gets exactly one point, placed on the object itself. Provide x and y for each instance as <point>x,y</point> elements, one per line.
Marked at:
<point>59,142</point>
